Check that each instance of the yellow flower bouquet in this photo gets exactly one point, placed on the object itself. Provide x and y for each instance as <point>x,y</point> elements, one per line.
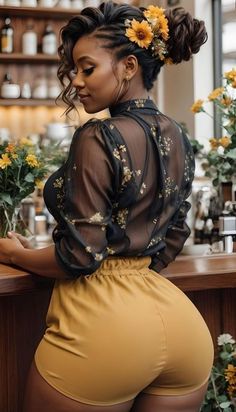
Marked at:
<point>220,162</point>
<point>22,167</point>
<point>221,391</point>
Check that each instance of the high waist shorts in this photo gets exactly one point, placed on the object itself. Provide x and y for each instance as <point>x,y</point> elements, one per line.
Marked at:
<point>121,331</point>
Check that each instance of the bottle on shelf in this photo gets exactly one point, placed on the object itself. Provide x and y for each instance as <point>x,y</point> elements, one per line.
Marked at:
<point>26,91</point>
<point>77,4</point>
<point>7,36</point>
<point>29,3</point>
<point>9,89</point>
<point>29,40</point>
<point>49,41</point>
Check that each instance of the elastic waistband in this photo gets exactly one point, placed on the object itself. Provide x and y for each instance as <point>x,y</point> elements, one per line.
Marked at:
<point>124,263</point>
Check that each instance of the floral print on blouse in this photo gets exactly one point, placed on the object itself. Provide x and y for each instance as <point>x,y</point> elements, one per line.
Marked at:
<point>122,190</point>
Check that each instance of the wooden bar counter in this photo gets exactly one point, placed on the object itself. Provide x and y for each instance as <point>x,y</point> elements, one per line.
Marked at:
<point>209,281</point>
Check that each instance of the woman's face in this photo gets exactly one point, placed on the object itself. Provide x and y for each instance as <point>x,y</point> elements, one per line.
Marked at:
<point>98,77</point>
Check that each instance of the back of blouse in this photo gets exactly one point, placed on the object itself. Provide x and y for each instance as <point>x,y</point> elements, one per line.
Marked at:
<point>122,190</point>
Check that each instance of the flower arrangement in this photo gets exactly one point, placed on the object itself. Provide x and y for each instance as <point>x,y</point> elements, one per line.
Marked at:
<point>152,32</point>
<point>221,391</point>
<point>22,168</point>
<point>220,164</point>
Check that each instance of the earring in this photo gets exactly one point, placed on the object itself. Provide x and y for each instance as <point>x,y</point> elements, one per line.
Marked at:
<point>127,78</point>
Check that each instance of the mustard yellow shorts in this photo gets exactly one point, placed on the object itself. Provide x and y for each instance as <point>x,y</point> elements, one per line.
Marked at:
<point>121,331</point>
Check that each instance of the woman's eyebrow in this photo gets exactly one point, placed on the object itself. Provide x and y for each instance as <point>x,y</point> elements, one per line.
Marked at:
<point>82,58</point>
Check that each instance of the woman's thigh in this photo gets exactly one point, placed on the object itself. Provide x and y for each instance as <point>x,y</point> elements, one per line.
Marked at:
<point>41,397</point>
<point>182,403</point>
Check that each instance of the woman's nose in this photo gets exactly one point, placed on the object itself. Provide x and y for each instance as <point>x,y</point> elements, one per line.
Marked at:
<point>78,80</point>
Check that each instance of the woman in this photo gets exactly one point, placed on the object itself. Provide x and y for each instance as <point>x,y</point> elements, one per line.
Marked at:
<point>117,335</point>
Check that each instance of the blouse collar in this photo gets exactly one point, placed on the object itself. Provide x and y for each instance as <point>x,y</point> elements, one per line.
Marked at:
<point>147,106</point>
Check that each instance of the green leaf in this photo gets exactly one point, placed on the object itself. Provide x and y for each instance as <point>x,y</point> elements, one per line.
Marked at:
<point>6,198</point>
<point>231,154</point>
<point>29,177</point>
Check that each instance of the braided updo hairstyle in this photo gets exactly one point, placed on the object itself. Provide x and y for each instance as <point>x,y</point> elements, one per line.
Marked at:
<point>107,22</point>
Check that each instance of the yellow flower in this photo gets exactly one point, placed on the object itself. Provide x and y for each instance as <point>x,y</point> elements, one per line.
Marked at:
<point>231,76</point>
<point>26,142</point>
<point>168,61</point>
<point>226,101</point>
<point>155,15</point>
<point>39,184</point>
<point>225,141</point>
<point>197,106</point>
<point>14,156</point>
<point>216,93</point>
<point>230,374</point>
<point>140,33</point>
<point>214,143</point>
<point>153,12</point>
<point>10,148</point>
<point>4,161</point>
<point>32,160</point>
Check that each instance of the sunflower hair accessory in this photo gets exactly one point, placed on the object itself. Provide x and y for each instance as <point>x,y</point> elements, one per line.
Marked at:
<point>153,32</point>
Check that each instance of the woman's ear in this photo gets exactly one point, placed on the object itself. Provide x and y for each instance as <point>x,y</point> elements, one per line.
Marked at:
<point>130,66</point>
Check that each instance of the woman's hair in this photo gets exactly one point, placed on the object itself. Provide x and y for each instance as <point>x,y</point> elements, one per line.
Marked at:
<point>186,35</point>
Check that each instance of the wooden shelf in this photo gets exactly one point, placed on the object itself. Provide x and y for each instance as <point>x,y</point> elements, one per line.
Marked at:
<point>24,58</point>
<point>39,12</point>
<point>29,102</point>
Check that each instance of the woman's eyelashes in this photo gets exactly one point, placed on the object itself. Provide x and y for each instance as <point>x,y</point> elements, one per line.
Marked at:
<point>86,72</point>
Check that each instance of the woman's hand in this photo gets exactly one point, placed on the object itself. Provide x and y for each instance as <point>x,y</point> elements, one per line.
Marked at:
<point>8,248</point>
<point>26,242</point>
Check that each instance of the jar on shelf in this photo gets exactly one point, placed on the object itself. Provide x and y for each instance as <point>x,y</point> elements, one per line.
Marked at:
<point>77,4</point>
<point>40,89</point>
<point>29,3</point>
<point>9,89</point>
<point>65,4</point>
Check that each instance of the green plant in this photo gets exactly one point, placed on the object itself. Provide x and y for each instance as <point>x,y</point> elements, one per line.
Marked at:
<point>220,160</point>
<point>221,391</point>
<point>22,168</point>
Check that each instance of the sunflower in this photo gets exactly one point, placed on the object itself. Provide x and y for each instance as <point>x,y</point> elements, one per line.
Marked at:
<point>156,17</point>
<point>32,160</point>
<point>216,93</point>
<point>225,141</point>
<point>197,106</point>
<point>140,33</point>
<point>10,148</point>
<point>4,161</point>
<point>226,101</point>
<point>153,12</point>
<point>214,143</point>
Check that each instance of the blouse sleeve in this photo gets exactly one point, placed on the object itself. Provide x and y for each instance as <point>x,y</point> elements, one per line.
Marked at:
<point>80,237</point>
<point>175,238</point>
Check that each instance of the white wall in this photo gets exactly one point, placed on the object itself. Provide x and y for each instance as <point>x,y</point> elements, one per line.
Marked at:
<point>179,86</point>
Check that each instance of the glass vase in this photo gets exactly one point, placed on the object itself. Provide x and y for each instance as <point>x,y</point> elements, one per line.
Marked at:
<point>10,220</point>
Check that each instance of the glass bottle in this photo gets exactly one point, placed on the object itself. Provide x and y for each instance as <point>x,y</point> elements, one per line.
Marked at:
<point>49,41</point>
<point>7,36</point>
<point>29,40</point>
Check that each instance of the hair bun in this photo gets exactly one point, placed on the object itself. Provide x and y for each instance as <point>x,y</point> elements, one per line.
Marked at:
<point>186,34</point>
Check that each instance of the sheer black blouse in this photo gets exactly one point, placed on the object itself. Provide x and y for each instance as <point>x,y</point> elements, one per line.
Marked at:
<point>122,190</point>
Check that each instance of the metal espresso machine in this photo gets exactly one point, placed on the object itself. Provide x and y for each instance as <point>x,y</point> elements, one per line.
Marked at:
<point>227,227</point>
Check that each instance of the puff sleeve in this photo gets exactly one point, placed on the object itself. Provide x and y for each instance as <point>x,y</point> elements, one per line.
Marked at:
<point>80,237</point>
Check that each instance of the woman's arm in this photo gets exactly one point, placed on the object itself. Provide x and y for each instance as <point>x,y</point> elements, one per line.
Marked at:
<point>39,261</point>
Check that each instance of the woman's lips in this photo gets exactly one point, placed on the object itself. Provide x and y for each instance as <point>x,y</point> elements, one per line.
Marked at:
<point>83,97</point>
